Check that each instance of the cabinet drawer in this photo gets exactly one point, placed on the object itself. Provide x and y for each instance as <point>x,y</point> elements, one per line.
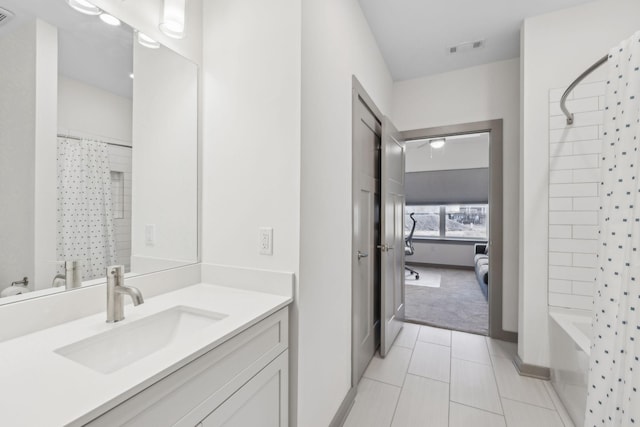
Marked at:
<point>187,395</point>
<point>263,401</point>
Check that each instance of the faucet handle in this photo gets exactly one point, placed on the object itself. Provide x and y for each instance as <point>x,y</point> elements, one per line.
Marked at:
<point>115,273</point>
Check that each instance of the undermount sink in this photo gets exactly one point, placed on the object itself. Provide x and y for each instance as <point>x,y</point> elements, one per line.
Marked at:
<point>127,343</point>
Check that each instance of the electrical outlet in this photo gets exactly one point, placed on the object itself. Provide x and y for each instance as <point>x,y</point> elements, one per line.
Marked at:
<point>150,234</point>
<point>265,243</point>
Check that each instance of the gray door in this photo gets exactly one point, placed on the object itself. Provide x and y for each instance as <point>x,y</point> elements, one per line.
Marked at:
<point>365,261</point>
<point>392,239</point>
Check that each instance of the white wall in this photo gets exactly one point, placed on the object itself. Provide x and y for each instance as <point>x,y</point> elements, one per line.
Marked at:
<point>251,144</point>
<point>474,94</point>
<point>456,254</point>
<point>28,143</point>
<point>556,48</point>
<point>465,152</point>
<point>251,136</point>
<point>46,170</point>
<point>17,151</point>
<point>165,158</point>
<point>336,44</point>
<point>85,110</point>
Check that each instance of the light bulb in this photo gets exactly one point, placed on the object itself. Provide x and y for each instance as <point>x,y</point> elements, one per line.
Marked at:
<point>110,20</point>
<point>83,6</point>
<point>437,143</point>
<point>146,41</point>
<point>173,18</point>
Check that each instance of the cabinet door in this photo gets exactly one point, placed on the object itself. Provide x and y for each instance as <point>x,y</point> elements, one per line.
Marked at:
<point>261,402</point>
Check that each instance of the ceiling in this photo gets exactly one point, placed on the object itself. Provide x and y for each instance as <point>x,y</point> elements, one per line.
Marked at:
<point>415,35</point>
<point>88,50</point>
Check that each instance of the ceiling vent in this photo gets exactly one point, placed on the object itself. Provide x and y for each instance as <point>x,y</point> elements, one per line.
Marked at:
<point>466,47</point>
<point>5,16</point>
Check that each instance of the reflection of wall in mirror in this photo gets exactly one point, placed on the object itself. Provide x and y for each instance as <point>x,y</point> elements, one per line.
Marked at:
<point>88,111</point>
<point>27,129</point>
<point>165,113</point>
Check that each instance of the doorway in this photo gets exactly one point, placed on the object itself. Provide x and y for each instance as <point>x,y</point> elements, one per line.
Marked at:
<point>447,227</point>
<point>494,129</point>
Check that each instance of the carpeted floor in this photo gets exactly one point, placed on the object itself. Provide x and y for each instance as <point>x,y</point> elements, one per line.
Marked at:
<point>457,304</point>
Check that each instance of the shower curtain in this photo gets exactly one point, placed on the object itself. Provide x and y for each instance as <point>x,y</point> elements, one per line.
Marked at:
<point>85,230</point>
<point>614,371</point>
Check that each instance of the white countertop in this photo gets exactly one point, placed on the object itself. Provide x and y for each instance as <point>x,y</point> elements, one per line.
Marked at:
<point>39,387</point>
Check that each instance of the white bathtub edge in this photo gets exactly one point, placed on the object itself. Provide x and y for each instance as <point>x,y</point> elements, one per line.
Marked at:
<point>567,319</point>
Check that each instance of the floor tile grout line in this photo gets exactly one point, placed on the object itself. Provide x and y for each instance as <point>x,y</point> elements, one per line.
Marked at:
<point>518,400</point>
<point>472,361</point>
<point>556,406</point>
<point>382,382</point>
<point>495,379</point>
<point>475,407</point>
<point>450,378</point>
<point>404,380</point>
<point>529,403</point>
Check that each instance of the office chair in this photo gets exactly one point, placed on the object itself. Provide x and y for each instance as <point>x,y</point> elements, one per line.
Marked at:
<point>408,246</point>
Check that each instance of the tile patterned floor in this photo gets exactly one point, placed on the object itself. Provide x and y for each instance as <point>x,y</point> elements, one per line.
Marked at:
<point>440,378</point>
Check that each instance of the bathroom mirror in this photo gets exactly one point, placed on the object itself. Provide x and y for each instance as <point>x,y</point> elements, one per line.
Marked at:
<point>98,150</point>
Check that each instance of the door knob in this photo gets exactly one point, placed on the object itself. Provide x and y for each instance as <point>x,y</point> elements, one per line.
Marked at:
<point>362,255</point>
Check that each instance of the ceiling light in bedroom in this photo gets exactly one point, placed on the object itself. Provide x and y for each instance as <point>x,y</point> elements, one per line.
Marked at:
<point>437,143</point>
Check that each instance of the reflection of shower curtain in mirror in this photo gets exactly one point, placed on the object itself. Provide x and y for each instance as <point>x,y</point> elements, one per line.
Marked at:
<point>85,221</point>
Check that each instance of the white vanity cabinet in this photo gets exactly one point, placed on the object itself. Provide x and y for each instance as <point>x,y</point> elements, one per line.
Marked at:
<point>242,382</point>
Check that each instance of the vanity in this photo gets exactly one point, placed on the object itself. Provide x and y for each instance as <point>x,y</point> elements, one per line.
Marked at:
<point>202,355</point>
<point>112,129</point>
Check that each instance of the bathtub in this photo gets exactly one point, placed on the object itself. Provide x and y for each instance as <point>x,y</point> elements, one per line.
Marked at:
<point>570,332</point>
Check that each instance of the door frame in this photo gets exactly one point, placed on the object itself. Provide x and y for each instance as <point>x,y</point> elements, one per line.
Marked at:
<point>495,130</point>
<point>358,93</point>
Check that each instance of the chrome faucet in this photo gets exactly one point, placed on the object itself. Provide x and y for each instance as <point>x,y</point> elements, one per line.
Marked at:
<point>72,277</point>
<point>116,291</point>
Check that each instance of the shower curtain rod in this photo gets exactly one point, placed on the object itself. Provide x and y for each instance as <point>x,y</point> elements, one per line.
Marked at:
<point>92,139</point>
<point>575,83</point>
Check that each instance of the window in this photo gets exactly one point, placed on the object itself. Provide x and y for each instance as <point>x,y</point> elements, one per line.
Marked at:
<point>448,221</point>
<point>427,221</point>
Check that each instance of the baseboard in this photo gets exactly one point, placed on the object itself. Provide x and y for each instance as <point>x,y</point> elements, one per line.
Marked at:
<point>533,371</point>
<point>453,267</point>
<point>506,336</point>
<point>341,415</point>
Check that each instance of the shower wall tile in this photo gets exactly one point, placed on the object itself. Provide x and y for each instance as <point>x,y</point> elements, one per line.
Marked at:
<point>560,231</point>
<point>584,105</point>
<point>586,175</point>
<point>574,177</point>
<point>561,177</point>
<point>560,286</point>
<point>120,161</point>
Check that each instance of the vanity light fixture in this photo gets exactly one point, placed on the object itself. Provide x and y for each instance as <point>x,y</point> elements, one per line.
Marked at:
<point>83,6</point>
<point>109,19</point>
<point>131,76</point>
<point>437,143</point>
<point>173,18</point>
<point>146,41</point>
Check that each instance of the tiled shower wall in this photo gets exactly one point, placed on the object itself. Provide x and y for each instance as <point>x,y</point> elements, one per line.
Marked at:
<point>120,161</point>
<point>574,176</point>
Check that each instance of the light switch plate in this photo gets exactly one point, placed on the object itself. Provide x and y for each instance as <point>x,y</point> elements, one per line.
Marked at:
<point>265,242</point>
<point>150,234</point>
